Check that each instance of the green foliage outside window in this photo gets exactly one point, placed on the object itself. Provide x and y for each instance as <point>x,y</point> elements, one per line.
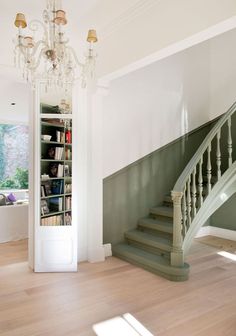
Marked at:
<point>13,156</point>
<point>18,181</point>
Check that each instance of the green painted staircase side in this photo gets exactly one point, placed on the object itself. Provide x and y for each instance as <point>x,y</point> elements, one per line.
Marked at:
<point>149,245</point>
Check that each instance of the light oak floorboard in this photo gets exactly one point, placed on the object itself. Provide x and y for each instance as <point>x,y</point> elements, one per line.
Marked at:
<point>59,304</point>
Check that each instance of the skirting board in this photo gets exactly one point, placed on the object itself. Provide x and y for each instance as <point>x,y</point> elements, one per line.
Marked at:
<point>107,250</point>
<point>217,232</point>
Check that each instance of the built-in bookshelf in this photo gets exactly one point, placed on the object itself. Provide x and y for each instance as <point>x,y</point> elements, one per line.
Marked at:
<point>55,168</point>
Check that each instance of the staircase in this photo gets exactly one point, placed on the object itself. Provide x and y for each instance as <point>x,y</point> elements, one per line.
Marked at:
<point>160,242</point>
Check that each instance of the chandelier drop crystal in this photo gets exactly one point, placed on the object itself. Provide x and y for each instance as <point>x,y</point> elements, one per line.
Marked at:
<point>61,65</point>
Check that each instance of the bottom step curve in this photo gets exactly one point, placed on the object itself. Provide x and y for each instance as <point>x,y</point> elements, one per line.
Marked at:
<point>151,262</point>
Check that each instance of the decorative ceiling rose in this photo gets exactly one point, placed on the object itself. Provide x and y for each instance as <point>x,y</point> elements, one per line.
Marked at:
<point>61,65</point>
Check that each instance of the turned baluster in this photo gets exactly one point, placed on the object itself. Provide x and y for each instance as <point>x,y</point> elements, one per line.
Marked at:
<point>200,183</point>
<point>230,144</point>
<point>189,201</point>
<point>209,169</point>
<point>184,212</point>
<point>194,192</point>
<point>218,155</point>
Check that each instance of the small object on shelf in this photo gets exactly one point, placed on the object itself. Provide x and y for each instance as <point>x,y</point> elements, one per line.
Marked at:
<point>44,207</point>
<point>67,219</point>
<point>67,170</point>
<point>44,177</point>
<point>68,136</point>
<point>46,137</point>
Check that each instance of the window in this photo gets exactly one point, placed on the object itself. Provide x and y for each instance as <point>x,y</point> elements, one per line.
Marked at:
<point>14,156</point>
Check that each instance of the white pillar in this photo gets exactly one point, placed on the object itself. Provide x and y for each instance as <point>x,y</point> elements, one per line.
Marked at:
<point>95,175</point>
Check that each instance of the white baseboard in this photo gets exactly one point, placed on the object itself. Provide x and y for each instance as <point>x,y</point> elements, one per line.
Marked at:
<point>96,255</point>
<point>107,250</point>
<point>217,232</point>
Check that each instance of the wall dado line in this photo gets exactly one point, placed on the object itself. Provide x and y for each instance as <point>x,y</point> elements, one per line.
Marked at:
<point>129,193</point>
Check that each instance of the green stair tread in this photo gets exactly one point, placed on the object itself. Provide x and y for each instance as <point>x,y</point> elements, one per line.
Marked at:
<point>149,240</point>
<point>168,199</point>
<point>162,211</point>
<point>151,262</point>
<point>156,224</point>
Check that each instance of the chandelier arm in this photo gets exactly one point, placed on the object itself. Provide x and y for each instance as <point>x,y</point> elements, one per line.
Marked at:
<point>32,68</point>
<point>75,56</point>
<point>37,45</point>
<point>34,26</point>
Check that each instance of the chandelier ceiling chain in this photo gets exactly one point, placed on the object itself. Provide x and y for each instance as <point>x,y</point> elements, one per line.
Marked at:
<point>61,64</point>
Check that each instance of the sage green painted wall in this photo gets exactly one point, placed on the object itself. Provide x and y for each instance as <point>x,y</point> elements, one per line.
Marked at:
<point>225,216</point>
<point>129,193</point>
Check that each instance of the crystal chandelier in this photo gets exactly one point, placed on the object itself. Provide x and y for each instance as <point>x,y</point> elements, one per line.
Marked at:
<point>61,65</point>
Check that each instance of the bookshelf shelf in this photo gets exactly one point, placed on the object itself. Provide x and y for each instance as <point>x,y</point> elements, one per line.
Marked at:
<point>52,214</point>
<point>52,143</point>
<point>53,196</point>
<point>44,123</point>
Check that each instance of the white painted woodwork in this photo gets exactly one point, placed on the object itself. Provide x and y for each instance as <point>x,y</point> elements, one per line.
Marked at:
<point>189,201</point>
<point>200,183</point>
<point>194,191</point>
<point>184,211</point>
<point>223,189</point>
<point>230,144</point>
<point>55,247</point>
<point>209,169</point>
<point>218,155</point>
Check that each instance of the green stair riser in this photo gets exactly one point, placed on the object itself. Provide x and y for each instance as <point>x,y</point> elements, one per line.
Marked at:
<point>167,275</point>
<point>151,249</point>
<point>155,232</point>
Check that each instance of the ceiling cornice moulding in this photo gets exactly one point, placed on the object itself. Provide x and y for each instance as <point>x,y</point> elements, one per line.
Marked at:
<point>127,16</point>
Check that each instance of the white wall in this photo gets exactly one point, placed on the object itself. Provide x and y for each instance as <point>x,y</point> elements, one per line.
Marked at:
<point>223,73</point>
<point>13,92</point>
<point>155,105</point>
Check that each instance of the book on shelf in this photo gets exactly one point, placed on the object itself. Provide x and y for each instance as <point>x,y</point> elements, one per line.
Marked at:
<point>58,153</point>
<point>60,136</point>
<point>57,187</point>
<point>68,202</point>
<point>55,204</point>
<point>52,221</point>
<point>55,153</point>
<point>46,189</point>
<point>68,153</point>
<point>60,170</point>
<point>56,170</point>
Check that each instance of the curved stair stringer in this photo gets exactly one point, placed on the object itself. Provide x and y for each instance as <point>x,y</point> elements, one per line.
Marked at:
<point>219,194</point>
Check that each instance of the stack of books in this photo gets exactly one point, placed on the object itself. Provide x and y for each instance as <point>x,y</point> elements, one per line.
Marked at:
<point>52,221</point>
<point>60,136</point>
<point>58,153</point>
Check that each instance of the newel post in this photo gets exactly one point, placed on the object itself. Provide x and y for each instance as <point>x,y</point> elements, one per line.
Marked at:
<point>177,258</point>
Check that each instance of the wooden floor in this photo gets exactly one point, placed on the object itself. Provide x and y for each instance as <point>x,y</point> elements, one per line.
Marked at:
<point>69,304</point>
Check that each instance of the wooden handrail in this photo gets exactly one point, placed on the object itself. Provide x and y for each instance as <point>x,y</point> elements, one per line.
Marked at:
<point>179,185</point>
